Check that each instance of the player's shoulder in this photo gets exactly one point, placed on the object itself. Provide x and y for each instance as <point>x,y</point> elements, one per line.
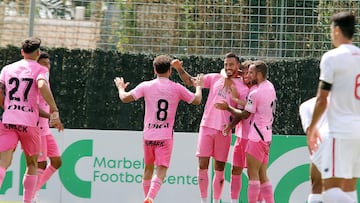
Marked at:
<point>266,85</point>
<point>39,66</point>
<point>239,82</point>
<point>12,67</point>
<point>176,86</point>
<point>213,76</point>
<point>264,89</point>
<point>13,64</point>
<point>308,103</point>
<point>338,52</point>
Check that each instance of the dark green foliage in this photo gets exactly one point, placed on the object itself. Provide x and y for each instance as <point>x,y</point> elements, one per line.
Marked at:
<point>82,83</point>
<point>295,81</point>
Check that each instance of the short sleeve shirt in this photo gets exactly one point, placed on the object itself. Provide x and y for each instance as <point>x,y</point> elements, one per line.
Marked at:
<point>162,97</point>
<point>306,110</point>
<point>341,68</point>
<point>212,117</point>
<point>262,104</point>
<point>21,92</point>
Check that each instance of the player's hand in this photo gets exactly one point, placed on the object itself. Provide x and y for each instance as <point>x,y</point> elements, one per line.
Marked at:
<point>313,139</point>
<point>55,121</point>
<point>223,105</point>
<point>176,64</point>
<point>226,130</point>
<point>198,80</point>
<point>59,126</point>
<point>120,84</point>
<point>228,84</point>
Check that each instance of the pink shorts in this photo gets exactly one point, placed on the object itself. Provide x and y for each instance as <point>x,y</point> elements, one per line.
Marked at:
<point>212,142</point>
<point>259,150</point>
<point>239,155</point>
<point>49,148</point>
<point>158,152</point>
<point>28,136</point>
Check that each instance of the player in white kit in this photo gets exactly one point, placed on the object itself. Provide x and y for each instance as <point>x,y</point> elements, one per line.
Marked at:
<point>340,80</point>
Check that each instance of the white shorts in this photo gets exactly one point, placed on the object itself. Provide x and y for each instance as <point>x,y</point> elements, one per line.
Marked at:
<point>316,157</point>
<point>340,158</point>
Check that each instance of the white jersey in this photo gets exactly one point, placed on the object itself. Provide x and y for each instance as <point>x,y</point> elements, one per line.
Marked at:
<point>306,110</point>
<point>341,68</point>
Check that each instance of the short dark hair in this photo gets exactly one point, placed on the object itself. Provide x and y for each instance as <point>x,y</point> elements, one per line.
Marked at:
<point>232,55</point>
<point>346,22</point>
<point>30,44</point>
<point>44,55</point>
<point>261,67</point>
<point>162,63</point>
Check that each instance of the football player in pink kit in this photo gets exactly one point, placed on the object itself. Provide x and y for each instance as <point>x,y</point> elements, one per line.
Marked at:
<point>241,132</point>
<point>211,141</point>
<point>161,97</point>
<point>49,148</point>
<point>261,105</point>
<point>339,79</point>
<point>21,83</point>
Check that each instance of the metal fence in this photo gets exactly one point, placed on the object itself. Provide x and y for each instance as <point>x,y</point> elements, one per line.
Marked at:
<point>267,29</point>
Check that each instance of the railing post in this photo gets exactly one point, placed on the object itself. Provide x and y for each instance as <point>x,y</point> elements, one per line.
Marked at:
<point>31,17</point>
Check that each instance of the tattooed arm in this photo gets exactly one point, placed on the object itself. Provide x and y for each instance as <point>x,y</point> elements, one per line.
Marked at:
<point>185,76</point>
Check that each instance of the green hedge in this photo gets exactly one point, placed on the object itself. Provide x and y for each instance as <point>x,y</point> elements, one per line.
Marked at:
<point>82,83</point>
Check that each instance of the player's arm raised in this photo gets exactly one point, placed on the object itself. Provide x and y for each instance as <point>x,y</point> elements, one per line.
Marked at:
<point>198,83</point>
<point>124,96</point>
<point>185,76</point>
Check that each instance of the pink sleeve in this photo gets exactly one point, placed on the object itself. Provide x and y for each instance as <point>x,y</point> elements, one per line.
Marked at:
<point>185,94</point>
<point>251,103</point>
<point>209,78</point>
<point>138,91</point>
<point>43,74</point>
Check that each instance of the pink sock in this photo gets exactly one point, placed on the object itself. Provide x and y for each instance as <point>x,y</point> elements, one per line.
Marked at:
<point>203,180</point>
<point>146,186</point>
<point>29,183</point>
<point>154,187</point>
<point>266,192</point>
<point>260,197</point>
<point>48,172</point>
<point>235,186</point>
<point>253,191</point>
<point>2,175</point>
<point>39,172</point>
<point>218,184</point>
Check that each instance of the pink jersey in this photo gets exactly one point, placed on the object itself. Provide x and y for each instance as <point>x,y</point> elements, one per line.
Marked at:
<point>212,117</point>
<point>21,100</point>
<point>162,97</point>
<point>242,129</point>
<point>261,103</point>
<point>44,122</point>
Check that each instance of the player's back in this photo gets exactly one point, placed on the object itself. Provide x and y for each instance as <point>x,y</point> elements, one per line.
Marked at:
<point>21,92</point>
<point>161,97</point>
<point>266,97</point>
<point>262,104</point>
<point>306,110</point>
<point>341,68</point>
